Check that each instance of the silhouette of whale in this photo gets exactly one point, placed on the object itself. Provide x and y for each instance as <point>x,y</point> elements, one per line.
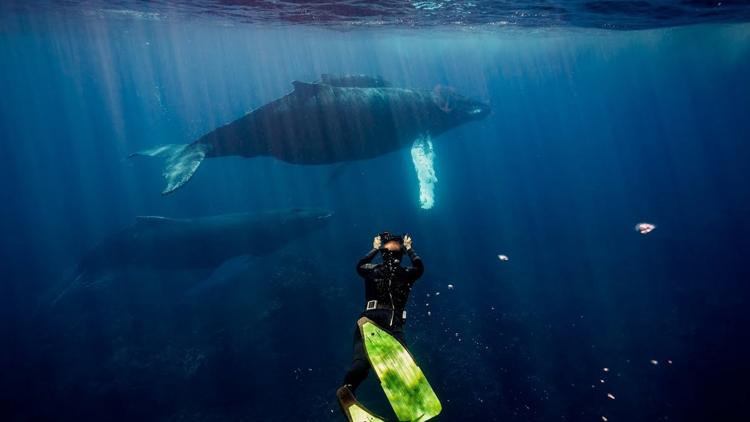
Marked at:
<point>197,243</point>
<point>205,243</point>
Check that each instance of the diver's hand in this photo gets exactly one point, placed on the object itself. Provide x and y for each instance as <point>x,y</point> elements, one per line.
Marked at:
<point>376,242</point>
<point>407,242</point>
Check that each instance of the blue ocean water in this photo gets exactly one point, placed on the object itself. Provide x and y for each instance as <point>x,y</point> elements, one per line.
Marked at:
<point>592,131</point>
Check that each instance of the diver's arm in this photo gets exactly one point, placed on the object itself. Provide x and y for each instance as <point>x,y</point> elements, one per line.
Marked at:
<point>417,267</point>
<point>362,266</point>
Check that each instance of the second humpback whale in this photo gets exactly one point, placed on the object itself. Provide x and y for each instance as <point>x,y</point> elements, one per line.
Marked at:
<point>205,243</point>
<point>200,243</point>
<point>337,119</point>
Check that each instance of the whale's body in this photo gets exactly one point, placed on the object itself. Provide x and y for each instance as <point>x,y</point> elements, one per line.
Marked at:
<point>335,120</point>
<point>199,243</point>
<point>323,124</point>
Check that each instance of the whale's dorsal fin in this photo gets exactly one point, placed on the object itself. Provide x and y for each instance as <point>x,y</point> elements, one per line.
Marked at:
<point>354,81</point>
<point>305,89</point>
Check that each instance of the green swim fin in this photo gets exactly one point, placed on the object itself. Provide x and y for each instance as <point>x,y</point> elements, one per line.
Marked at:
<point>403,382</point>
<point>353,410</point>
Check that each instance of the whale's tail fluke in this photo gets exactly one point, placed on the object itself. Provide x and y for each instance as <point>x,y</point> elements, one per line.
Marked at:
<point>182,160</point>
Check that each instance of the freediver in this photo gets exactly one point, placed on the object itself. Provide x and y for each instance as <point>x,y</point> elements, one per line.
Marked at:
<point>387,288</point>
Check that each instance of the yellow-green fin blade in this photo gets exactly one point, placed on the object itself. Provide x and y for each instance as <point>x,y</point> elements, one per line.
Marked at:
<point>359,414</point>
<point>403,382</point>
<point>353,410</point>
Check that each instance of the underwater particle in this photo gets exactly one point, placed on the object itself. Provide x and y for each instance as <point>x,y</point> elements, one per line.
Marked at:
<point>437,293</point>
<point>429,313</point>
<point>645,228</point>
<point>450,287</point>
<point>611,396</point>
<point>601,381</point>
<point>604,418</point>
<point>503,257</point>
<point>654,362</point>
<point>605,369</point>
<point>669,361</point>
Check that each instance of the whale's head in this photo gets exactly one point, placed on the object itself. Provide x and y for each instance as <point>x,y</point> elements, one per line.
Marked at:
<point>455,109</point>
<point>299,221</point>
<point>271,230</point>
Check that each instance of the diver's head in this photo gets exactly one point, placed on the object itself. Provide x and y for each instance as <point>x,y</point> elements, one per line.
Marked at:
<point>392,248</point>
<point>458,108</point>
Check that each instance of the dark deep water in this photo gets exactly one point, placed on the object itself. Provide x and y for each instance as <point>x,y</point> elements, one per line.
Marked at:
<point>592,131</point>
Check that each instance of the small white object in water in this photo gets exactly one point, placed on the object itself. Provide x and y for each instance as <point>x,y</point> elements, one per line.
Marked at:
<point>503,257</point>
<point>604,418</point>
<point>654,362</point>
<point>450,287</point>
<point>645,228</point>
<point>437,293</point>
<point>611,396</point>
<point>605,369</point>
<point>669,361</point>
<point>429,313</point>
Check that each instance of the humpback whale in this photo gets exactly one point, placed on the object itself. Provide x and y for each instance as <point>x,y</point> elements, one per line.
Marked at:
<point>197,243</point>
<point>208,243</point>
<point>335,119</point>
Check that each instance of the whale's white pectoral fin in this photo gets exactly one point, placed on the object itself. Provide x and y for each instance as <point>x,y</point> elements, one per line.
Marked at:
<point>182,160</point>
<point>423,157</point>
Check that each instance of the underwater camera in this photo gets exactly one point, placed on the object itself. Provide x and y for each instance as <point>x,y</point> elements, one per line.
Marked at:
<point>386,237</point>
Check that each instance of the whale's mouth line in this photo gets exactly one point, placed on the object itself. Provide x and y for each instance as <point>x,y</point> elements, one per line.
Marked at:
<point>325,216</point>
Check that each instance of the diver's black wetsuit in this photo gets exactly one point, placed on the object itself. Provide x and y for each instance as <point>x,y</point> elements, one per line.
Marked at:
<point>387,288</point>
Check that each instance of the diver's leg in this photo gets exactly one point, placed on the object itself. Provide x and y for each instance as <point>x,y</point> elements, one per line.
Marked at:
<point>360,366</point>
<point>397,331</point>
